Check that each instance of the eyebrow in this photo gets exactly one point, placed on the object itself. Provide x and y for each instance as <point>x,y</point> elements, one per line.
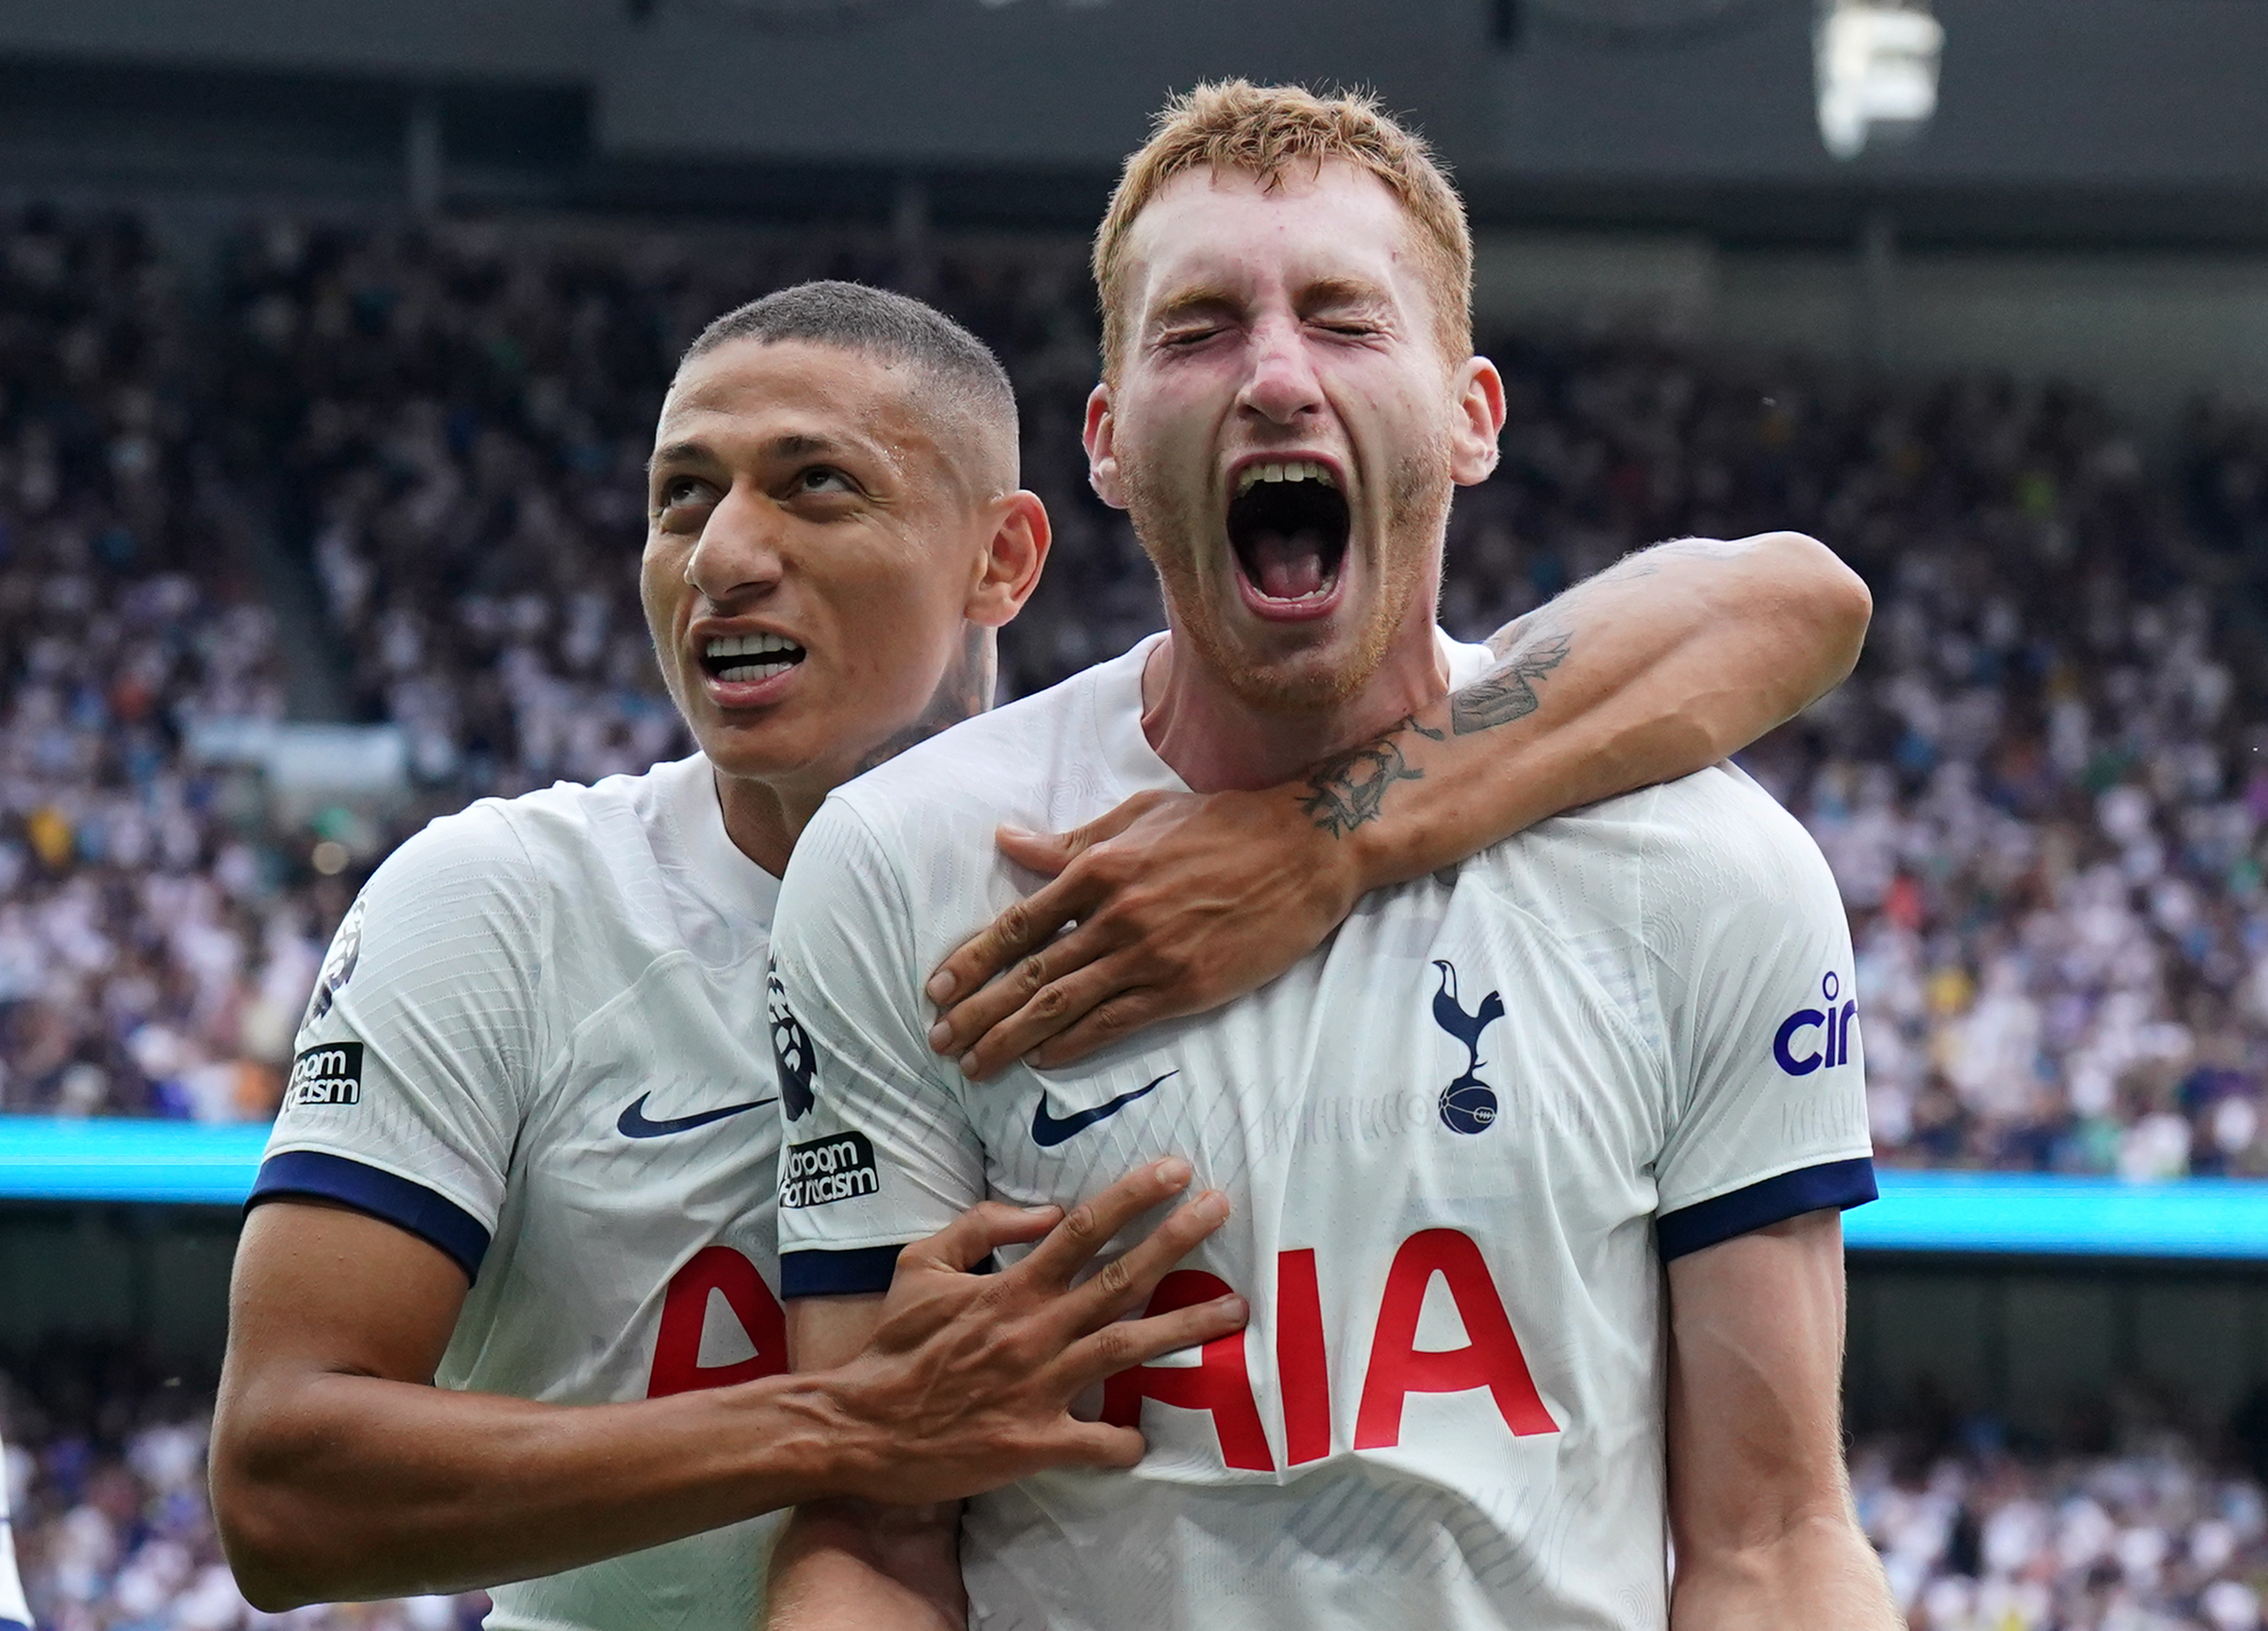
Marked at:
<point>793,445</point>
<point>1198,297</point>
<point>1343,291</point>
<point>1331,291</point>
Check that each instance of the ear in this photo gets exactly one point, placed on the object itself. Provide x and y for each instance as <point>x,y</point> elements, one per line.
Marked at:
<point>1480,422</point>
<point>1102,453</point>
<point>1009,569</point>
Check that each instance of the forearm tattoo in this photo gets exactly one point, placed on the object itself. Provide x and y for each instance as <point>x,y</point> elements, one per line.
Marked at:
<point>1507,692</point>
<point>1347,789</point>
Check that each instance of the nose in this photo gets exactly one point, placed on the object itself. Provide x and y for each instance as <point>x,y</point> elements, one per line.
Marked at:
<point>1282,387</point>
<point>737,555</point>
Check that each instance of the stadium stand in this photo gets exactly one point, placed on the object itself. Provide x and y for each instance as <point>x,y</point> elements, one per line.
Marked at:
<point>464,418</point>
<point>153,957</point>
<point>106,1479</point>
<point>1997,1542</point>
<point>2041,792</point>
<point>2138,1533</point>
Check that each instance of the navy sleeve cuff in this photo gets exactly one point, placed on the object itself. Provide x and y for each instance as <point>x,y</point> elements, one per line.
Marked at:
<point>1838,1184</point>
<point>838,1273</point>
<point>433,1219</point>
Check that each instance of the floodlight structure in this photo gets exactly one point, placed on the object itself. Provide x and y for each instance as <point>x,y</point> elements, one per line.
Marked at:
<point>1875,62</point>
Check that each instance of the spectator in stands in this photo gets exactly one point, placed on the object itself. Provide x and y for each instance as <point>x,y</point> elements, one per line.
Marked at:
<point>2044,793</point>
<point>105,1474</point>
<point>152,957</point>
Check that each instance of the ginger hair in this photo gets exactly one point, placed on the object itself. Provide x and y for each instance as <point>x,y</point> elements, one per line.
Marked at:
<point>1266,130</point>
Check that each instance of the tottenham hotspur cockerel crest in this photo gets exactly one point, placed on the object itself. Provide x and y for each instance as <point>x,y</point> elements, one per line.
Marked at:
<point>1468,1103</point>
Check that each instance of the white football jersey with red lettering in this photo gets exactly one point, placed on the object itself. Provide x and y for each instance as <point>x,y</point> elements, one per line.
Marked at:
<point>539,1044</point>
<point>1461,1140</point>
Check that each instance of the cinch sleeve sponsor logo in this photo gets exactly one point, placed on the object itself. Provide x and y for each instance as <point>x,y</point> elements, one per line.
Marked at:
<point>1798,1051</point>
<point>328,1074</point>
<point>828,1169</point>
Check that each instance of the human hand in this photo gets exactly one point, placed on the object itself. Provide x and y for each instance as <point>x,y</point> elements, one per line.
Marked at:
<point>1177,903</point>
<point>967,1381</point>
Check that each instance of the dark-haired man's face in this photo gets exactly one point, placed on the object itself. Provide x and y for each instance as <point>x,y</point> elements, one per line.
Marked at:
<point>818,578</point>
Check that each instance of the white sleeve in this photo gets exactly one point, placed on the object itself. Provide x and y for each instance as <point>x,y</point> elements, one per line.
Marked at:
<point>876,1149</point>
<point>15,1614</point>
<point>420,1041</point>
<point>1751,955</point>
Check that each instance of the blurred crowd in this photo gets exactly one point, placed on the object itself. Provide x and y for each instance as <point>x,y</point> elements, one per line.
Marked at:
<point>2043,792</point>
<point>154,953</point>
<point>106,1464</point>
<point>461,425</point>
<point>105,1472</point>
<point>2150,1541</point>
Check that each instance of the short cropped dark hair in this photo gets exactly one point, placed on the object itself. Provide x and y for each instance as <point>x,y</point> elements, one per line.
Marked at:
<point>882,324</point>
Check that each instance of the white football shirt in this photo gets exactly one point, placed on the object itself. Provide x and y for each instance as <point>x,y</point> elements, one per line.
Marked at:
<point>538,1043</point>
<point>1460,1139</point>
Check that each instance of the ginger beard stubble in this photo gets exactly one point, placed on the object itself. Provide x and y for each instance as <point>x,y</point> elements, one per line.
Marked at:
<point>1169,519</point>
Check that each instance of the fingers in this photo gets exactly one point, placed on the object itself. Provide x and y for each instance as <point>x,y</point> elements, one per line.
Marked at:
<point>973,1236</point>
<point>1047,853</point>
<point>1009,1017</point>
<point>1032,923</point>
<point>1098,1443</point>
<point>1124,1013</point>
<point>1027,983</point>
<point>1051,852</point>
<point>1055,1260</point>
<point>1127,1342</point>
<point>1023,928</point>
<point>1125,1283</point>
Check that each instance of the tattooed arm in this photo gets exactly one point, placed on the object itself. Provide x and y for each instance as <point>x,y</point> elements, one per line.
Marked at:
<point>1349,790</point>
<point>1652,669</point>
<point>1661,690</point>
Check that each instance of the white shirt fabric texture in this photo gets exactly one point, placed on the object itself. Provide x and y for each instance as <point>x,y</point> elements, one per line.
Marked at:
<point>1460,1139</point>
<point>538,1043</point>
<point>15,1614</point>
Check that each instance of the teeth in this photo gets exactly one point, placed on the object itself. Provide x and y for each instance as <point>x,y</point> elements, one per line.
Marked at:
<point>1292,470</point>
<point>743,672</point>
<point>750,646</point>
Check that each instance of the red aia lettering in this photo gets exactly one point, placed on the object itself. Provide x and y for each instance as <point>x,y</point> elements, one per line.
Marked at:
<point>1217,1382</point>
<point>1491,1357</point>
<point>1302,1368</point>
<point>685,1310</point>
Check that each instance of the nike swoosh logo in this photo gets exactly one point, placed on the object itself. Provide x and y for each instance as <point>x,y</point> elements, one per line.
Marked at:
<point>634,1124</point>
<point>1047,1131</point>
